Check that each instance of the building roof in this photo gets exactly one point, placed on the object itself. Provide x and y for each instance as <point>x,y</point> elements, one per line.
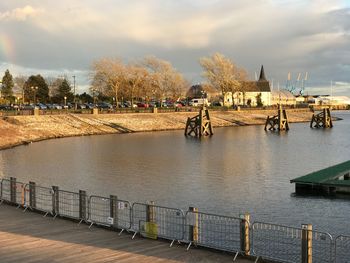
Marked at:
<point>256,86</point>
<point>325,176</point>
<point>262,74</point>
<point>282,94</point>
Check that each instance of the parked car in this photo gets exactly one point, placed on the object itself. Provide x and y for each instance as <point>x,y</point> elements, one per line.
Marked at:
<point>199,102</point>
<point>104,105</point>
<point>81,106</point>
<point>27,107</point>
<point>142,105</point>
<point>41,106</point>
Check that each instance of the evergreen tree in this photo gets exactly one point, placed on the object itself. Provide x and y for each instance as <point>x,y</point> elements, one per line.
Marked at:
<point>65,90</point>
<point>36,89</point>
<point>7,85</point>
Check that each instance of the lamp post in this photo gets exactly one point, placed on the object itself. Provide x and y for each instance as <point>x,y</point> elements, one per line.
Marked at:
<point>75,102</point>
<point>34,90</point>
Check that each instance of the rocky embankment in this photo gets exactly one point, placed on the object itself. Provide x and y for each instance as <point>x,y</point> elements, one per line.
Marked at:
<point>19,130</point>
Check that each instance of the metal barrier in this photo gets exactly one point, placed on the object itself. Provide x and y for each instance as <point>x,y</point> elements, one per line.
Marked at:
<point>276,242</point>
<point>41,198</point>
<point>214,231</point>
<point>322,247</point>
<point>342,249</point>
<point>285,244</point>
<point>13,191</point>
<point>72,205</point>
<point>154,221</point>
<point>109,212</point>
<point>269,241</point>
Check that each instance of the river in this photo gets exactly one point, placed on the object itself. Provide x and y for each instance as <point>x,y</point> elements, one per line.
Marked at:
<point>238,170</point>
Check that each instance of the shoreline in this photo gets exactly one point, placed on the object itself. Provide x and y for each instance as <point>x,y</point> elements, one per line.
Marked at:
<point>22,130</point>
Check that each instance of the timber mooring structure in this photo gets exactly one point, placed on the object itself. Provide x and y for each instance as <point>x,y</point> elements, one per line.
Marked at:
<point>199,125</point>
<point>328,181</point>
<point>322,119</point>
<point>277,122</point>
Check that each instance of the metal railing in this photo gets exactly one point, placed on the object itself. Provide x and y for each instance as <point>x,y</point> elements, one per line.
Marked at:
<point>342,249</point>
<point>214,231</point>
<point>41,199</point>
<point>110,211</point>
<point>231,234</point>
<point>154,221</point>
<point>72,205</point>
<point>13,192</point>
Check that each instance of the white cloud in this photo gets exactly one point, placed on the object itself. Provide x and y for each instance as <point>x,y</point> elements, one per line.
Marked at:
<point>20,14</point>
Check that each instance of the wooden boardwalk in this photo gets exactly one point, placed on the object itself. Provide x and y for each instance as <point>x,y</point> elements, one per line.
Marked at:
<point>28,237</point>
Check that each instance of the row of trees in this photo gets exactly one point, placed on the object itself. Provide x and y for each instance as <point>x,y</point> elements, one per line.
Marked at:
<point>149,78</point>
<point>35,88</point>
<point>158,79</point>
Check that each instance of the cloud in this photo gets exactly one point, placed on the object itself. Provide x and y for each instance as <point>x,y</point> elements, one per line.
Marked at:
<point>20,14</point>
<point>284,35</point>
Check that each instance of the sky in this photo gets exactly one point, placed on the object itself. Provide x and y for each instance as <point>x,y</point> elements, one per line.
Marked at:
<point>55,38</point>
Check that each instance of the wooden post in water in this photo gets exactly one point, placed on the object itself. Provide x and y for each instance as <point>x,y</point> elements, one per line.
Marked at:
<point>277,122</point>
<point>306,243</point>
<point>322,119</point>
<point>244,233</point>
<point>199,125</point>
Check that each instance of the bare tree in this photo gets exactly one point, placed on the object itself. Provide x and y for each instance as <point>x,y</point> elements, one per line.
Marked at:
<point>164,78</point>
<point>19,84</point>
<point>223,74</point>
<point>134,76</point>
<point>107,76</point>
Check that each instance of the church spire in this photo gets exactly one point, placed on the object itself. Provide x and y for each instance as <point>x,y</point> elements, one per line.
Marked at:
<point>262,74</point>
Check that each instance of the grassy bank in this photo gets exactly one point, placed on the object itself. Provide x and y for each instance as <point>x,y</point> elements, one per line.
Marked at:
<point>18,130</point>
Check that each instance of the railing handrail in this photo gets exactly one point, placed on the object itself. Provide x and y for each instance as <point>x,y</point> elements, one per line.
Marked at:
<point>127,217</point>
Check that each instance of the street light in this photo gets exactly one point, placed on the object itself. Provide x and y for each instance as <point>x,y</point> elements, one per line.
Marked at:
<point>75,102</point>
<point>65,101</point>
<point>34,90</point>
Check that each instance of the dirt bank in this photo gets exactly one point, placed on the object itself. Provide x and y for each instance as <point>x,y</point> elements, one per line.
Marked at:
<point>19,130</point>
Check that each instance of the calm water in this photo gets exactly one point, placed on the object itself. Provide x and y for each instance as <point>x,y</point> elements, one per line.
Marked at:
<point>241,169</point>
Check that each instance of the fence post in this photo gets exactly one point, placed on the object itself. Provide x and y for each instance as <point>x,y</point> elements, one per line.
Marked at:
<point>32,195</point>
<point>306,243</point>
<point>114,210</point>
<point>244,233</point>
<point>151,227</point>
<point>150,213</point>
<point>55,200</point>
<point>13,189</point>
<point>82,204</point>
<point>193,230</point>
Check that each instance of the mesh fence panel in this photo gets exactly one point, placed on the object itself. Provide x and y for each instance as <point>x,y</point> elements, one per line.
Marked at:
<point>342,249</point>
<point>322,247</point>
<point>68,204</point>
<point>213,231</point>
<point>158,221</point>
<point>13,192</point>
<point>277,242</point>
<point>99,210</point>
<point>6,190</point>
<point>43,199</point>
<point>107,211</point>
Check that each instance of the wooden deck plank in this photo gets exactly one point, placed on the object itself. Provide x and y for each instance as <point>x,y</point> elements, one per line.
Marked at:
<point>28,237</point>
